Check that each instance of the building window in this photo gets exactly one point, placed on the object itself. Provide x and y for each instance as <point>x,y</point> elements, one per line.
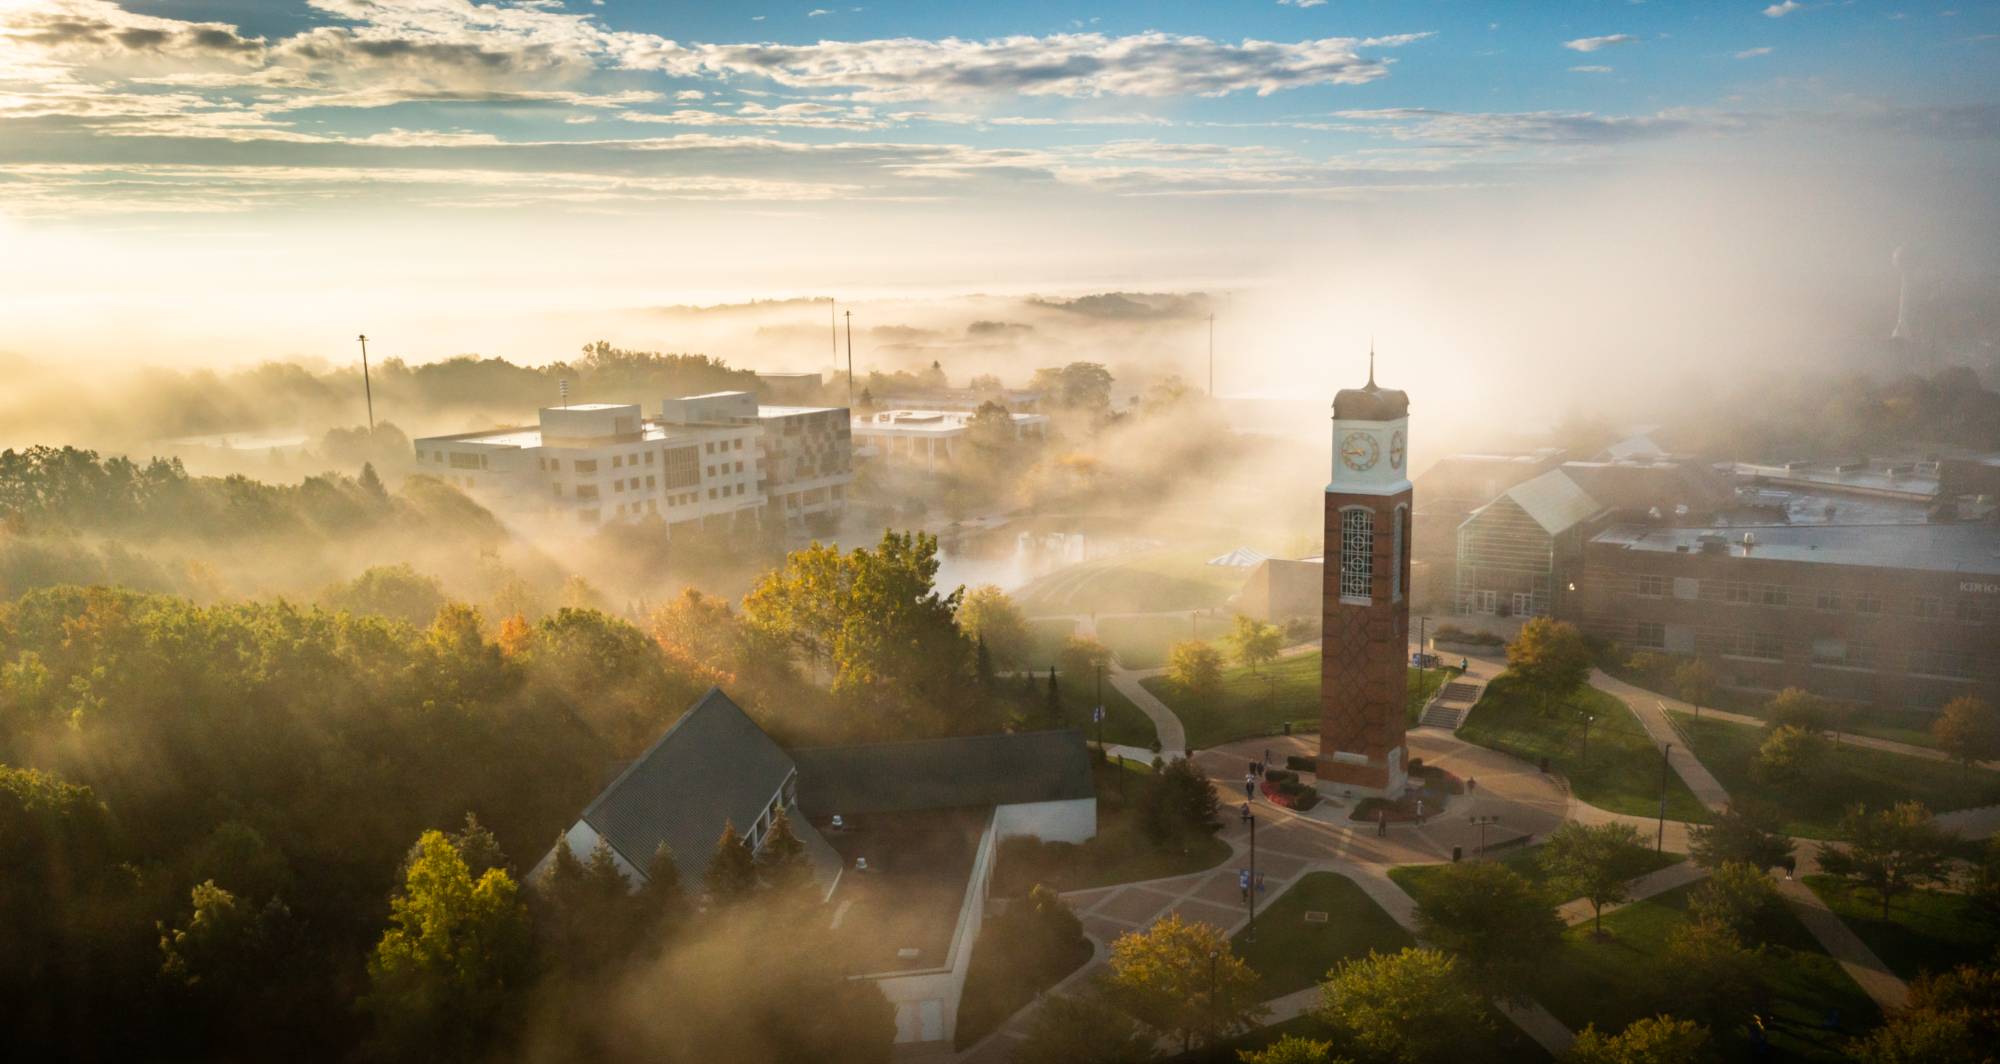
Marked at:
<point>586,465</point>
<point>1867,602</point>
<point>709,447</point>
<point>1934,661</point>
<point>1396,556</point>
<point>1735,591</point>
<point>711,493</point>
<point>1357,553</point>
<point>649,458</point>
<point>617,461</point>
<point>1929,606</point>
<point>650,479</point>
<point>1771,594</point>
<point>1829,600</point>
<point>464,461</point>
<point>586,491</point>
<point>1861,655</point>
<point>683,467</point>
<point>1766,645</point>
<point>1651,635</point>
<point>557,488</point>
<point>1653,586</point>
<point>1829,652</point>
<point>1975,611</point>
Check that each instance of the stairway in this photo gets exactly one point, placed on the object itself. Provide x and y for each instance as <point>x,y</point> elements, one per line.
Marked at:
<point>1454,700</point>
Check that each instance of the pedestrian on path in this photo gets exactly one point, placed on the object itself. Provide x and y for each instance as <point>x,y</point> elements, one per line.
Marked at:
<point>1250,788</point>
<point>1471,784</point>
<point>1420,812</point>
<point>1382,823</point>
<point>1465,664</point>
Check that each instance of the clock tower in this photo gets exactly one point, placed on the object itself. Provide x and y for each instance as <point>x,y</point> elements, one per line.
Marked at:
<point>1365,607</point>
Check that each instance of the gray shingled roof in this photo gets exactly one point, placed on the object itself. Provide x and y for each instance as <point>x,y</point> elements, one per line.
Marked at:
<point>713,765</point>
<point>972,770</point>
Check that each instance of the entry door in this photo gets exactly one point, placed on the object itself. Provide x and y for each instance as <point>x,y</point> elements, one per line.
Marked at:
<point>1489,602</point>
<point>1524,603</point>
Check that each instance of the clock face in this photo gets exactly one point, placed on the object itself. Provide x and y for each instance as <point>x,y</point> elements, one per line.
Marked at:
<point>1396,449</point>
<point>1359,451</point>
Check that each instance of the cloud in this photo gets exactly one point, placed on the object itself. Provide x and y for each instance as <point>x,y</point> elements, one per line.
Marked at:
<point>1753,53</point>
<point>817,12</point>
<point>1300,3</point>
<point>690,94</point>
<point>803,114</point>
<point>1780,10</point>
<point>1592,44</point>
<point>1071,65</point>
<point>1590,69</point>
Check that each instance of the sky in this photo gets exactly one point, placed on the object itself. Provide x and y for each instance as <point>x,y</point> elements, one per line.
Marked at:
<point>229,180</point>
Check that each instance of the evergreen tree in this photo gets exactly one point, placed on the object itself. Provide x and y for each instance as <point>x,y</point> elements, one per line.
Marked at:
<point>982,664</point>
<point>1055,701</point>
<point>478,846</point>
<point>663,901</point>
<point>784,859</point>
<point>732,872</point>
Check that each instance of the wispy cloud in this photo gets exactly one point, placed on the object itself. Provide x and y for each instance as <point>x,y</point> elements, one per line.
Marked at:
<point>1592,44</point>
<point>1300,3</point>
<point>1753,53</point>
<point>1590,70</point>
<point>1786,7</point>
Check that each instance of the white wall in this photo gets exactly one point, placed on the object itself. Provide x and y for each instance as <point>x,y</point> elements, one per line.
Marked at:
<point>926,1002</point>
<point>1073,820</point>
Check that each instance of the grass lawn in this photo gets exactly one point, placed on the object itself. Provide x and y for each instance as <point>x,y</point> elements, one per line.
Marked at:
<point>1506,1044</point>
<point>1172,578</point>
<point>1142,642</point>
<point>1045,640</point>
<point>1902,726</point>
<point>1291,954</point>
<point>1261,703</point>
<point>1121,852</point>
<point>1613,981</point>
<point>1928,930</point>
<point>1123,721</point>
<point>1853,774</point>
<point>1621,770</point>
<point>1525,860</point>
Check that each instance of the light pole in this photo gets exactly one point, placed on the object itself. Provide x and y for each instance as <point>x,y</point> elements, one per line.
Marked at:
<point>1482,822</point>
<point>1422,658</point>
<point>1660,841</point>
<point>1213,956</point>
<point>1587,719</point>
<point>1250,932</point>
<point>1099,712</point>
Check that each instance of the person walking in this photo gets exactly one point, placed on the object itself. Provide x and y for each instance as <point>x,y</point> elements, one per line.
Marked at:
<point>1250,788</point>
<point>1382,823</point>
<point>1420,812</point>
<point>1471,784</point>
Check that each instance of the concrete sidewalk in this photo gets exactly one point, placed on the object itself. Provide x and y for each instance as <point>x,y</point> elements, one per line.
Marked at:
<point>1651,709</point>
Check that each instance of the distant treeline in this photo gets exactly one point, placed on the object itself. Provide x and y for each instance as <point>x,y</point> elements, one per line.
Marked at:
<point>1849,415</point>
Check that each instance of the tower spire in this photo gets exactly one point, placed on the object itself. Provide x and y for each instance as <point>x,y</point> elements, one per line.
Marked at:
<point>1371,361</point>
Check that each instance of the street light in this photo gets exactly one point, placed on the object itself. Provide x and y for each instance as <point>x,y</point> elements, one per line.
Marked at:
<point>1482,822</point>
<point>1250,932</point>
<point>1587,719</point>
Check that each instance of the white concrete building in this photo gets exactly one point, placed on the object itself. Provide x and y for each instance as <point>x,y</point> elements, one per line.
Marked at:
<point>706,461</point>
<point>926,437</point>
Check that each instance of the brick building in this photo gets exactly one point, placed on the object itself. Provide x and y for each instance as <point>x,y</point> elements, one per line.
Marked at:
<point>1897,614</point>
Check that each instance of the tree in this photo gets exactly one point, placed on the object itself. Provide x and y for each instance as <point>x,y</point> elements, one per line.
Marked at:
<point>1695,682</point>
<point>1740,897</point>
<point>1984,887</point>
<point>1791,755</point>
<point>1968,730</point>
<point>1890,852</point>
<point>1081,657</point>
<point>396,591</point>
<point>982,666</point>
<point>1082,1030</point>
<point>1654,1040</point>
<point>1798,708</point>
<point>732,872</point>
<point>1952,1018</point>
<point>1291,1049</point>
<point>784,857</point>
<point>226,966</point>
<point>1181,980</point>
<point>1710,977</point>
<point>1410,1007</point>
<point>1054,704</point>
<point>663,901</point>
<point>1079,385</point>
<point>988,614</point>
<point>455,951</point>
<point>1744,832</point>
<point>479,847</point>
<point>1195,666</point>
<point>1492,919</point>
<point>1180,806</point>
<point>1595,862</point>
<point>1551,658</point>
<point>1256,643</point>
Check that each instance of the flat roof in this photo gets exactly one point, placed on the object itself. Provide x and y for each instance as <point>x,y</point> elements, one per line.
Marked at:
<point>900,914</point>
<point>1940,548</point>
<point>781,410</point>
<point>650,431</point>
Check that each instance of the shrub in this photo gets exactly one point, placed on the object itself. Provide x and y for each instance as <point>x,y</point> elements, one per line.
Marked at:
<point>1300,764</point>
<point>1306,801</point>
<point>1280,776</point>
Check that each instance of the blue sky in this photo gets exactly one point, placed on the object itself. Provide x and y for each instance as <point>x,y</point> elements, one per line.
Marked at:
<point>759,147</point>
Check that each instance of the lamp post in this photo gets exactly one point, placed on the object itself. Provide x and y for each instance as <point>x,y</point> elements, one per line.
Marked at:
<point>1660,841</point>
<point>1482,822</point>
<point>1422,659</point>
<point>1587,719</point>
<point>1250,932</point>
<point>1213,956</point>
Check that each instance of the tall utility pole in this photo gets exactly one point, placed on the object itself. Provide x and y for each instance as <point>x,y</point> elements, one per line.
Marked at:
<point>1660,840</point>
<point>850,359</point>
<point>833,329</point>
<point>367,388</point>
<point>1211,356</point>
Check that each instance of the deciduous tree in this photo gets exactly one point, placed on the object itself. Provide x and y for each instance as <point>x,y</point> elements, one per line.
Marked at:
<point>1695,682</point>
<point>1551,658</point>
<point>1654,1040</point>
<point>988,613</point>
<point>1292,1049</point>
<point>1968,730</point>
<point>1889,852</point>
<point>1791,755</point>
<point>1084,1029</point>
<point>1743,831</point>
<point>1181,980</point>
<point>1595,862</point>
<point>1411,1007</point>
<point>1256,643</point>
<point>1740,897</point>
<point>1195,666</point>
<point>1492,919</point>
